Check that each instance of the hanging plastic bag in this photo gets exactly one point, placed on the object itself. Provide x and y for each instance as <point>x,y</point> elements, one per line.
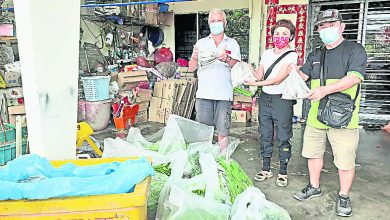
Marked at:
<point>242,71</point>
<point>295,87</point>
<point>252,205</point>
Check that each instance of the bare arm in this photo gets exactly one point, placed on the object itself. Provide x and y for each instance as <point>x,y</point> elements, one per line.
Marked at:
<point>345,83</point>
<point>193,63</point>
<point>283,73</point>
<point>230,61</point>
<point>259,73</point>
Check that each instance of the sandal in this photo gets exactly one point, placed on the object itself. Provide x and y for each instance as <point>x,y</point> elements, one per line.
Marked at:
<point>281,180</point>
<point>263,175</point>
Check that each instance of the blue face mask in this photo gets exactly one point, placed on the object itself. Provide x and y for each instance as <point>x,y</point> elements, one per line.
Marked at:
<point>329,35</point>
<point>216,27</point>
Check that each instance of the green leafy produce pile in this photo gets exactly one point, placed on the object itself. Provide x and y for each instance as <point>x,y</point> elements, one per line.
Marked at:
<point>236,180</point>
<point>158,182</point>
<point>200,192</point>
<point>163,168</point>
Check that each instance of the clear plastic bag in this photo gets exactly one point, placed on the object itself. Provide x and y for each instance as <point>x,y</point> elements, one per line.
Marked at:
<point>241,71</point>
<point>252,205</point>
<point>180,131</point>
<point>178,202</point>
<point>295,87</point>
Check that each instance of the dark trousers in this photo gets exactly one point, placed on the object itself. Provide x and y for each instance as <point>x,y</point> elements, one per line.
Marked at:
<point>274,111</point>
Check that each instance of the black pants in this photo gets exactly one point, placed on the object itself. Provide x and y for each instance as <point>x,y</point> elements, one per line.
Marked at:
<point>275,111</point>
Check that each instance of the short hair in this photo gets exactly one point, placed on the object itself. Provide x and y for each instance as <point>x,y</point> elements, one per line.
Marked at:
<point>287,24</point>
<point>217,11</point>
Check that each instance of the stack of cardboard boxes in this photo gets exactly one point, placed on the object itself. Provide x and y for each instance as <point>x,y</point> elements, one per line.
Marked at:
<point>242,108</point>
<point>174,96</point>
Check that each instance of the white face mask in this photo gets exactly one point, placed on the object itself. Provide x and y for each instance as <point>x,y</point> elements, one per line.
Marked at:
<point>216,27</point>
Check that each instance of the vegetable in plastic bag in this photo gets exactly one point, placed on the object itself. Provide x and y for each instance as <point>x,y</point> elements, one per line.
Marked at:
<point>252,205</point>
<point>177,200</point>
<point>157,184</point>
<point>295,87</point>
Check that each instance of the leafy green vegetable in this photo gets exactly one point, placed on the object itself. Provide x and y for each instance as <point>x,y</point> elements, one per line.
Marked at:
<point>163,168</point>
<point>238,90</point>
<point>233,178</point>
<point>200,192</point>
<point>158,182</point>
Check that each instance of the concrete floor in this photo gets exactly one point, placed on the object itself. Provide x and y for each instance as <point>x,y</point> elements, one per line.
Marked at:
<point>370,194</point>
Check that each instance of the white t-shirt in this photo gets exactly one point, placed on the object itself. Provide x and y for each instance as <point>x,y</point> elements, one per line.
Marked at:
<point>214,81</point>
<point>267,59</point>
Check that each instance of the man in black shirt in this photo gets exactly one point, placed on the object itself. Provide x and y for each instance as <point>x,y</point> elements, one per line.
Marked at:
<point>345,65</point>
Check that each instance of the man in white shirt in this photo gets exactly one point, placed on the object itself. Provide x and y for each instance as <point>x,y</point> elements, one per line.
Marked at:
<point>214,56</point>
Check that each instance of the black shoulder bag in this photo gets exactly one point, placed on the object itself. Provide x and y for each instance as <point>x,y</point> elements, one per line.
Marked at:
<point>336,109</point>
<point>269,70</point>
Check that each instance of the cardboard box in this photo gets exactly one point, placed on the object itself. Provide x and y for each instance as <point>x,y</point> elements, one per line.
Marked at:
<point>157,115</point>
<point>142,116</point>
<point>170,89</point>
<point>144,93</point>
<point>242,99</point>
<point>143,106</point>
<point>151,14</point>
<point>133,77</point>
<point>155,102</point>
<point>240,116</point>
<point>13,79</point>
<point>143,99</point>
<point>16,110</point>
<point>158,89</point>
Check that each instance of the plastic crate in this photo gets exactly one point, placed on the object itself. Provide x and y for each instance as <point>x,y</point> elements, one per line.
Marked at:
<point>111,206</point>
<point>96,88</point>
<point>8,152</point>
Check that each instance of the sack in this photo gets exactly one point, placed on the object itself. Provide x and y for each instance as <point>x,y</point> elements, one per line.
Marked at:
<point>336,110</point>
<point>295,87</point>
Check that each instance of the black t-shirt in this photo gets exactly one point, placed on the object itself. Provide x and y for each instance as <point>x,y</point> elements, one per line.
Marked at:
<point>341,60</point>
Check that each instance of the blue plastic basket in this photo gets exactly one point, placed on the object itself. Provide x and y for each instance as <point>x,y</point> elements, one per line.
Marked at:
<point>96,88</point>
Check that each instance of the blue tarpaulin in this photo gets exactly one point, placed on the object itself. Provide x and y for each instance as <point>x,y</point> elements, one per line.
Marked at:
<point>33,177</point>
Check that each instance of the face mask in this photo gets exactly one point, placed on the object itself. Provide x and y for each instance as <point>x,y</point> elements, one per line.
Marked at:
<point>329,35</point>
<point>280,41</point>
<point>216,27</point>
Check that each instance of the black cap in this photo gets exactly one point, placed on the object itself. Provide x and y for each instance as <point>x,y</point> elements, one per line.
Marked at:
<point>329,15</point>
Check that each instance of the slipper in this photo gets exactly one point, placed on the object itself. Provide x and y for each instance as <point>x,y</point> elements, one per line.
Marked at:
<point>281,180</point>
<point>263,175</point>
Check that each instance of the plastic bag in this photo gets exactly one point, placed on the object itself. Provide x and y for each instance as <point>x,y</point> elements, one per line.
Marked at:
<point>295,87</point>
<point>242,71</point>
<point>178,202</point>
<point>180,131</point>
<point>252,205</point>
<point>163,55</point>
<point>33,177</point>
<point>120,148</point>
<point>157,184</point>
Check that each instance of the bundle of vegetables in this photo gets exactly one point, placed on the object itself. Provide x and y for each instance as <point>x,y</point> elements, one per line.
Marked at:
<point>240,91</point>
<point>158,182</point>
<point>233,179</point>
<point>163,168</point>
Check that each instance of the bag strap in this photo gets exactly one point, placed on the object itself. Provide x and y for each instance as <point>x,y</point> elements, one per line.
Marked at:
<point>323,73</point>
<point>269,70</point>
